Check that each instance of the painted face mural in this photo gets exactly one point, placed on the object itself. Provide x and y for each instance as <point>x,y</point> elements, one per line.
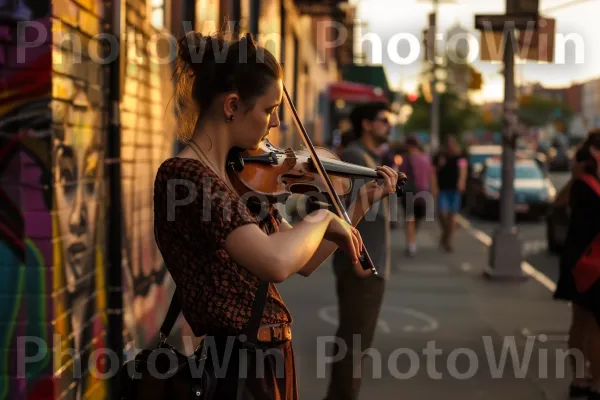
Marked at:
<point>77,176</point>
<point>77,173</point>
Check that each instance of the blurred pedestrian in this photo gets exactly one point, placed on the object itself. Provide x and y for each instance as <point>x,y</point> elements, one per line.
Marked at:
<point>451,173</point>
<point>359,300</point>
<point>420,190</point>
<point>583,230</point>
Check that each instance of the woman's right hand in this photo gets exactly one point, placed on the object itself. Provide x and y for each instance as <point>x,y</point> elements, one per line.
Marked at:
<point>345,236</point>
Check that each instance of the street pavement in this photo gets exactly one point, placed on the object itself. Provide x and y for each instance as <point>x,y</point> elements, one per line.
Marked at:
<point>442,301</point>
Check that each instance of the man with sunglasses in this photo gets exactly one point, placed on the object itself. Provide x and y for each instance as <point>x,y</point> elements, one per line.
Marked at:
<point>359,300</point>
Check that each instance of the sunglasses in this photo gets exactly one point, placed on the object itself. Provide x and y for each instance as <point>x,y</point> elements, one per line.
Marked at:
<point>384,120</point>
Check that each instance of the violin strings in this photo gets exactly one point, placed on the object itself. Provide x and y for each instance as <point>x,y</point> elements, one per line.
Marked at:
<point>334,198</point>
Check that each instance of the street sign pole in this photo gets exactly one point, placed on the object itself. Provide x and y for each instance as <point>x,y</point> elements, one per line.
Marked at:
<point>435,96</point>
<point>506,251</point>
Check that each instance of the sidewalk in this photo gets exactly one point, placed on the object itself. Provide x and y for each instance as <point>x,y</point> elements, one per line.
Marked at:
<point>441,300</point>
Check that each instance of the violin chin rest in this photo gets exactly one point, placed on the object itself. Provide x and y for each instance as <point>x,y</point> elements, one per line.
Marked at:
<point>236,161</point>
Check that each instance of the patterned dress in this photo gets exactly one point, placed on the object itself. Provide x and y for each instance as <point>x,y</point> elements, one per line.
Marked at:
<point>194,211</point>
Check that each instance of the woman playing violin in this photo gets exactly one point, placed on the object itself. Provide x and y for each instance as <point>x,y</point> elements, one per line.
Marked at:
<point>218,248</point>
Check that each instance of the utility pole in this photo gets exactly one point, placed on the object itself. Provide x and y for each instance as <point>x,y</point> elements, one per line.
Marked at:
<point>435,97</point>
<point>432,57</point>
<point>506,250</point>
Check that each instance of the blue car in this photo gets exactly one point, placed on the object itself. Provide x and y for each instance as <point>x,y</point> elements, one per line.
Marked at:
<point>534,191</point>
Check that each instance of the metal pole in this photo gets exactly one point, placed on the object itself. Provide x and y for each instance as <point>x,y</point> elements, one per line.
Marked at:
<point>507,215</point>
<point>254,17</point>
<point>435,99</point>
<point>506,250</point>
<point>113,173</point>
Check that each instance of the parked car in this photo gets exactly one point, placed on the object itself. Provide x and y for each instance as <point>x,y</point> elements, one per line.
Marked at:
<point>534,191</point>
<point>478,154</point>
<point>557,220</point>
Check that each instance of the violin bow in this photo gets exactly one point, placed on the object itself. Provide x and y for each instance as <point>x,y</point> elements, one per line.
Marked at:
<point>365,259</point>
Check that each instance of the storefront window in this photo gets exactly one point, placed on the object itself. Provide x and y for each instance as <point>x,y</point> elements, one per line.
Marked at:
<point>158,13</point>
<point>207,16</point>
<point>269,26</point>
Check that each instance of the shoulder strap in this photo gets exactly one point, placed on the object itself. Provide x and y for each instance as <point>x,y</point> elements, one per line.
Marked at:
<point>171,317</point>
<point>366,157</point>
<point>251,331</point>
<point>591,182</point>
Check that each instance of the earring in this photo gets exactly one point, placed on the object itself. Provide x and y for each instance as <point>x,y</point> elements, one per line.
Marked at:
<point>229,119</point>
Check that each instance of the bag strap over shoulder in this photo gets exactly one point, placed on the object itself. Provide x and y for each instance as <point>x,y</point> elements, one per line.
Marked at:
<point>171,317</point>
<point>251,331</point>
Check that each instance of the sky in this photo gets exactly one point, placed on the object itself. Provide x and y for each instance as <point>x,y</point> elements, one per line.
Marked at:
<point>388,18</point>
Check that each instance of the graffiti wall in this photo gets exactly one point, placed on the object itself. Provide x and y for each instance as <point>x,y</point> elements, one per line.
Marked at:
<point>78,231</point>
<point>25,220</point>
<point>53,131</point>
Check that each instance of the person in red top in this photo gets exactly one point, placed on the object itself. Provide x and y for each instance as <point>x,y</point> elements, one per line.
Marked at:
<point>217,245</point>
<point>583,230</point>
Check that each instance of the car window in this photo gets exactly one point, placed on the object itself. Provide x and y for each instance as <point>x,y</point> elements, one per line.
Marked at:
<point>478,158</point>
<point>521,172</point>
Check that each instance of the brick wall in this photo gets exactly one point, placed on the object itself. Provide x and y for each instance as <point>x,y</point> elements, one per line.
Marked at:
<point>147,139</point>
<point>53,130</point>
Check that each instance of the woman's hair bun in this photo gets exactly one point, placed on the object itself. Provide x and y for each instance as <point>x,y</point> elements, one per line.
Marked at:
<point>196,48</point>
<point>210,65</point>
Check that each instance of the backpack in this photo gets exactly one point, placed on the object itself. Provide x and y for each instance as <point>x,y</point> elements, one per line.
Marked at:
<point>587,268</point>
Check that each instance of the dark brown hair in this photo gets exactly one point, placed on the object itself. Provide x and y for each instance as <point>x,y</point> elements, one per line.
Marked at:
<point>366,111</point>
<point>210,65</point>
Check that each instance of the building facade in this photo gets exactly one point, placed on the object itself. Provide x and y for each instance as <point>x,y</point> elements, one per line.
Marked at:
<point>590,103</point>
<point>81,138</point>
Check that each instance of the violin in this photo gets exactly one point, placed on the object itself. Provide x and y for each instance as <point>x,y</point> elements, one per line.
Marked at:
<point>275,174</point>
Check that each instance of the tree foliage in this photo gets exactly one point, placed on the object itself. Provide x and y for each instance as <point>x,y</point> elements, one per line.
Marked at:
<point>456,114</point>
<point>538,111</point>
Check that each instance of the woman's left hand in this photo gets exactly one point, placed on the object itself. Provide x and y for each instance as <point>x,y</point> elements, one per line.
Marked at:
<point>377,189</point>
